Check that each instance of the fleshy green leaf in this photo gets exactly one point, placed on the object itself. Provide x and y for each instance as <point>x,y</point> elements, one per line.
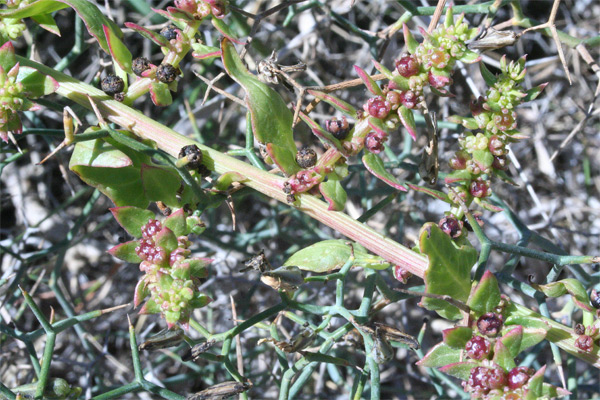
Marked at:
<point>132,219</point>
<point>535,384</point>
<point>458,336</point>
<point>283,158</point>
<point>470,57</point>
<point>375,166</point>
<point>47,22</point>
<point>160,94</point>
<point>335,102</point>
<point>126,252</point>
<point>408,120</point>
<point>161,184</point>
<point>432,192</point>
<point>334,194</point>
<point>534,92</point>
<point>226,179</point>
<point>503,356</point>
<point>440,355</point>
<point>177,223</point>
<point>513,339</point>
<point>489,78</point>
<point>483,158</point>
<point>449,270</point>
<point>166,239</point>
<point>381,68</point>
<point>409,40</point>
<point>119,52</point>
<point>371,85</point>
<point>570,286</point>
<point>485,295</point>
<point>460,370</point>
<point>270,117</point>
<point>469,123</point>
<point>36,84</point>
<point>202,51</point>
<point>225,30</point>
<point>7,56</point>
<point>487,205</point>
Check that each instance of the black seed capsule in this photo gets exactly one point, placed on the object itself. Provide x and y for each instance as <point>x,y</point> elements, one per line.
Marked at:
<point>112,85</point>
<point>140,65</point>
<point>306,157</point>
<point>338,128</point>
<point>193,154</point>
<point>166,73</point>
<point>595,298</point>
<point>169,32</point>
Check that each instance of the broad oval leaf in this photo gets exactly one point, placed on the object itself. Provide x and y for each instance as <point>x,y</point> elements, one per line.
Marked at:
<point>161,184</point>
<point>36,84</point>
<point>375,166</point>
<point>132,219</point>
<point>460,370</point>
<point>458,336</point>
<point>334,194</point>
<point>449,271</point>
<point>408,120</point>
<point>440,355</point>
<point>126,252</point>
<point>325,256</point>
<point>485,295</point>
<point>271,119</point>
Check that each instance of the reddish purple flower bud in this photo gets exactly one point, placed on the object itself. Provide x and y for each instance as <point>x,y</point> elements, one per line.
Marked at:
<point>339,128</point>
<point>478,378</point>
<point>584,343</point>
<point>478,347</point>
<point>186,5</point>
<point>438,81</point>
<point>451,226</point>
<point>151,228</point>
<point>407,65</point>
<point>401,274</point>
<point>479,188</point>
<point>477,106</point>
<point>518,377</point>
<point>506,120</point>
<point>459,161</point>
<point>409,99</point>
<point>489,324</point>
<point>500,162</point>
<point>378,107</point>
<point>394,98</point>
<point>483,379</point>
<point>374,143</point>
<point>496,146</point>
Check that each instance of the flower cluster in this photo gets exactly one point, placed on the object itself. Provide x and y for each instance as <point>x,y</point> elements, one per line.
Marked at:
<point>12,28</point>
<point>483,154</point>
<point>203,8</point>
<point>171,276</point>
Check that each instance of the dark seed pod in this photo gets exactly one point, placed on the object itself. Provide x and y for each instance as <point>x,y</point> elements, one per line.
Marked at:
<point>112,85</point>
<point>139,65</point>
<point>338,128</point>
<point>193,155</point>
<point>489,324</point>
<point>595,299</point>
<point>306,157</point>
<point>169,32</point>
<point>119,97</point>
<point>166,73</point>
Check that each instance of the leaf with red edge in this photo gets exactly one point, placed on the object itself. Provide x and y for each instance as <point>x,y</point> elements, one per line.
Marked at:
<point>166,239</point>
<point>470,57</point>
<point>371,85</point>
<point>570,286</point>
<point>323,135</point>
<point>513,339</point>
<point>431,192</point>
<point>36,84</point>
<point>503,356</point>
<point>284,159</point>
<point>225,30</point>
<point>535,384</point>
<point>140,293</point>
<point>378,126</point>
<point>334,194</point>
<point>409,40</point>
<point>381,68</point>
<point>176,222</point>
<point>441,354</point>
<point>202,51</point>
<point>457,337</point>
<point>162,184</point>
<point>485,296</point>
<point>335,102</point>
<point>408,120</point>
<point>132,219</point>
<point>160,94</point>
<point>7,56</point>
<point>118,51</point>
<point>148,34</point>
<point>534,92</point>
<point>126,252</point>
<point>177,17</point>
<point>47,22</point>
<point>487,205</point>
<point>375,166</point>
<point>460,370</point>
<point>226,179</point>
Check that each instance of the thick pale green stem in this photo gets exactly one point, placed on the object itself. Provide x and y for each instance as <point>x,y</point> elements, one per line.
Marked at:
<point>264,182</point>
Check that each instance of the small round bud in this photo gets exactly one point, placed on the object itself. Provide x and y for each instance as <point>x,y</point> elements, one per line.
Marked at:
<point>584,343</point>
<point>112,85</point>
<point>139,65</point>
<point>339,128</point>
<point>166,73</point>
<point>595,299</point>
<point>480,188</point>
<point>169,32</point>
<point>451,226</point>
<point>378,107</point>
<point>489,324</point>
<point>478,347</point>
<point>407,65</point>
<point>374,143</point>
<point>518,377</point>
<point>306,157</point>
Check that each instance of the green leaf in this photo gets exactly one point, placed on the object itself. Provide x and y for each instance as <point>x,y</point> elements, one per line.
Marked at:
<point>160,94</point>
<point>132,219</point>
<point>431,192</point>
<point>458,336</point>
<point>469,123</point>
<point>7,56</point>
<point>117,49</point>
<point>535,384</point>
<point>323,135</point>
<point>334,194</point>
<point>513,339</point>
<point>371,85</point>
<point>226,179</point>
<point>161,184</point>
<point>325,358</point>
<point>409,40</point>
<point>440,355</point>
<point>460,370</point>
<point>202,51</point>
<point>126,252</point>
<point>485,295</point>
<point>534,92</point>
<point>271,119</point>
<point>36,84</point>
<point>483,158</point>
<point>375,166</point>
<point>503,356</point>
<point>283,158</point>
<point>570,286</point>
<point>177,222</point>
<point>103,166</point>
<point>166,239</point>
<point>335,102</point>
<point>381,68</point>
<point>489,78</point>
<point>331,255</point>
<point>408,120</point>
<point>148,34</point>
<point>47,22</point>
<point>470,57</point>
<point>458,176</point>
<point>225,30</point>
<point>448,272</point>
